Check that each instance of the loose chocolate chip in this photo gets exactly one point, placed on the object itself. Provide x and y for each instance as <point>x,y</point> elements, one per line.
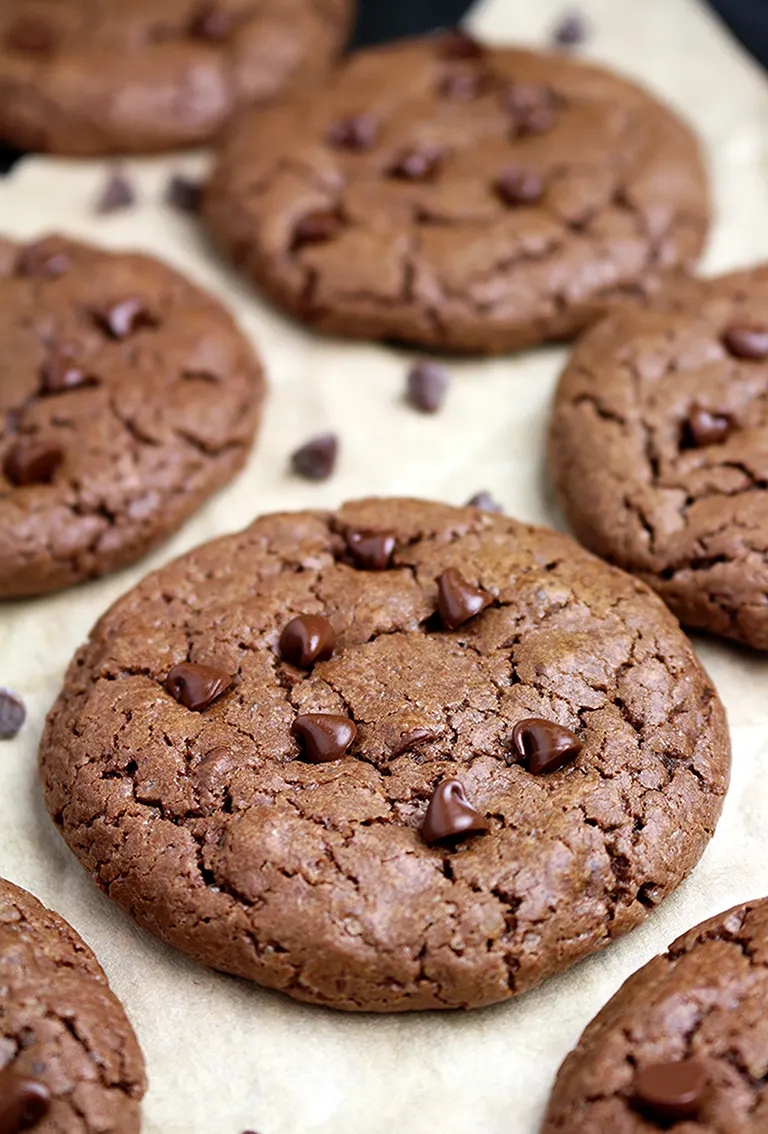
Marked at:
<point>412,739</point>
<point>371,550</point>
<point>307,639</point>
<point>458,600</point>
<point>61,372</point>
<point>123,318</point>
<point>43,258</point>
<point>485,502</point>
<point>316,459</point>
<point>117,193</point>
<point>24,1102</point>
<point>32,462</point>
<point>197,686</point>
<point>418,164</point>
<point>671,1092</point>
<point>517,186</point>
<point>358,132</point>
<point>450,815</point>
<point>212,23</point>
<point>31,35</point>
<point>463,86</point>
<point>317,228</point>
<point>184,193</point>
<point>544,746</point>
<point>537,120</point>
<point>571,29</point>
<point>323,736</point>
<point>459,45</point>
<point>747,342</point>
<point>706,428</point>
<point>13,713</point>
<point>427,386</point>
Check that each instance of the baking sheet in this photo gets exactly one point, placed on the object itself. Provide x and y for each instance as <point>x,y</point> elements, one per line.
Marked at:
<point>224,1057</point>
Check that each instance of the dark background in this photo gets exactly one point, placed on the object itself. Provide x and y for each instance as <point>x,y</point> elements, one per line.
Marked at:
<point>387,19</point>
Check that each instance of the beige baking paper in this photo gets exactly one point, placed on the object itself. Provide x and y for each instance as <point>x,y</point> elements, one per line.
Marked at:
<point>224,1057</point>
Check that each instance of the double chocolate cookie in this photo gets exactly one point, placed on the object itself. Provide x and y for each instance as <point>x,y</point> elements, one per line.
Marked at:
<point>659,448</point>
<point>127,397</point>
<point>444,193</point>
<point>402,756</point>
<point>69,1061</point>
<point>84,77</point>
<point>682,1046</point>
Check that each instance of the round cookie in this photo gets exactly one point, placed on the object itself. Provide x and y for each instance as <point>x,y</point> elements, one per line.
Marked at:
<point>86,78</point>
<point>442,193</point>
<point>365,808</point>
<point>69,1060</point>
<point>659,448</point>
<point>682,1045</point>
<point>127,397</point>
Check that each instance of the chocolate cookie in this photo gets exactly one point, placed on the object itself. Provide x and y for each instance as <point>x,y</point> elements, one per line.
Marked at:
<point>85,78</point>
<point>403,756</point>
<point>682,1045</point>
<point>659,449</point>
<point>69,1061</point>
<point>127,397</point>
<point>443,193</point>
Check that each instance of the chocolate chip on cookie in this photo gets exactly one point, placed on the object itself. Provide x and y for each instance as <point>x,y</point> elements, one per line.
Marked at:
<point>450,815</point>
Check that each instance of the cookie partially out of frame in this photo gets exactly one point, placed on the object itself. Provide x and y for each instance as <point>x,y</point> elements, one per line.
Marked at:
<point>448,194</point>
<point>682,1045</point>
<point>659,448</point>
<point>85,78</point>
<point>127,398</point>
<point>69,1060</point>
<point>402,756</point>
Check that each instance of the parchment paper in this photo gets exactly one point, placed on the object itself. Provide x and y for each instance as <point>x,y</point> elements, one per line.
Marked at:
<point>224,1057</point>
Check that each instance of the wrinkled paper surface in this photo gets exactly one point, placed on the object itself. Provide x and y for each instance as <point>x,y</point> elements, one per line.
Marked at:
<point>224,1057</point>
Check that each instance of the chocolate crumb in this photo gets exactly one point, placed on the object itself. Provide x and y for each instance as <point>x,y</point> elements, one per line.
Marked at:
<point>316,459</point>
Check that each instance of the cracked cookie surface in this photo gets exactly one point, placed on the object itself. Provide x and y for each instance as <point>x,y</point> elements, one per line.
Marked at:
<point>61,1025</point>
<point>214,831</point>
<point>658,449</point>
<point>441,193</point>
<point>127,398</point>
<point>83,77</point>
<point>703,1000</point>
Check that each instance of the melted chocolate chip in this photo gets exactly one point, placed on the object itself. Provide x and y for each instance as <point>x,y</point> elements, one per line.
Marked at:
<point>544,746</point>
<point>704,427</point>
<point>418,164</point>
<point>24,1102</point>
<point>749,343</point>
<point>43,258</point>
<point>316,459</point>
<point>537,120</point>
<point>671,1092</point>
<point>517,186</point>
<point>458,600</point>
<point>485,502</point>
<point>413,738</point>
<point>370,550</point>
<point>13,713</point>
<point>464,86</point>
<point>31,35</point>
<point>61,372</point>
<point>450,815</point>
<point>117,193</point>
<point>317,228</point>
<point>121,319</point>
<point>184,193</point>
<point>307,639</point>
<point>323,736</point>
<point>520,98</point>
<point>358,132</point>
<point>197,686</point>
<point>459,45</point>
<point>571,29</point>
<point>427,386</point>
<point>31,462</point>
<point>211,23</point>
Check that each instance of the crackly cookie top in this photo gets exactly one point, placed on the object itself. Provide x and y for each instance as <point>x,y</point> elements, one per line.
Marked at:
<point>87,77</point>
<point>127,396</point>
<point>68,1055</point>
<point>445,193</point>
<point>659,451</point>
<point>682,1045</point>
<point>343,807</point>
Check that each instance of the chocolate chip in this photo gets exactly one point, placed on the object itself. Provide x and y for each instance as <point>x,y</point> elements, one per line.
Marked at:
<point>417,164</point>
<point>521,98</point>
<point>316,459</point>
<point>323,736</point>
<point>61,372</point>
<point>212,23</point>
<point>747,342</point>
<point>464,86</point>
<point>197,686</point>
<point>358,132</point>
<point>32,462</point>
<point>538,120</point>
<point>516,186</point>
<point>13,713</point>
<point>31,35</point>
<point>450,815</point>
<point>458,600</point>
<point>371,550</point>
<point>43,258</point>
<point>121,319</point>
<point>672,1091</point>
<point>459,45</point>
<point>184,193</point>
<point>571,29</point>
<point>317,228</point>
<point>24,1102</point>
<point>544,746</point>
<point>412,739</point>
<point>427,386</point>
<point>307,639</point>
<point>117,193</point>
<point>704,427</point>
<point>485,502</point>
